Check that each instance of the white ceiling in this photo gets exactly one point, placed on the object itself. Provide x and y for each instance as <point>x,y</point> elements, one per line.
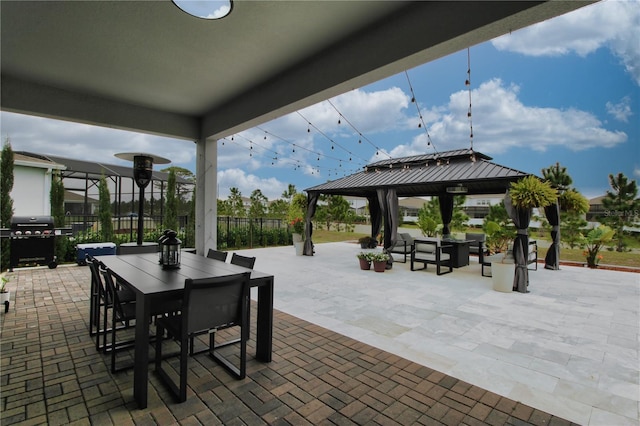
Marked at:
<point>147,66</point>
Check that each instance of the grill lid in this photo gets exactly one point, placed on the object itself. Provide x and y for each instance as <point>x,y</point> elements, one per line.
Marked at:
<point>34,225</point>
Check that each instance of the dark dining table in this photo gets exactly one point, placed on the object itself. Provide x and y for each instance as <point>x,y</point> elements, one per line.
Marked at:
<point>153,284</point>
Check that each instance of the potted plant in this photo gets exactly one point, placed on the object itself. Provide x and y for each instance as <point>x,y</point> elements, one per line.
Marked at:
<point>365,260</point>
<point>5,295</point>
<point>367,242</point>
<point>379,261</point>
<point>297,229</point>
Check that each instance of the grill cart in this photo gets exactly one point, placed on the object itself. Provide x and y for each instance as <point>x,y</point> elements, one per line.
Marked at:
<point>33,241</point>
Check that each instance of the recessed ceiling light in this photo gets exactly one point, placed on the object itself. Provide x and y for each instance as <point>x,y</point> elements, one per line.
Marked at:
<point>205,9</point>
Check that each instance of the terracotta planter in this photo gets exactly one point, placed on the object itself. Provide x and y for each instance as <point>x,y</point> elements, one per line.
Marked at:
<point>380,266</point>
<point>365,265</point>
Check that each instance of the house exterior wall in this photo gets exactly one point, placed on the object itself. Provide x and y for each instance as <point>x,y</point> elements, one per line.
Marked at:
<point>30,193</point>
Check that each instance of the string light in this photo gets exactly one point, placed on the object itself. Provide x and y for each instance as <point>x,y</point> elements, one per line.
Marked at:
<point>421,124</point>
<point>469,114</point>
<point>361,136</point>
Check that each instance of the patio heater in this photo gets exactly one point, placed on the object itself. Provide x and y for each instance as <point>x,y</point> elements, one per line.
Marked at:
<point>142,174</point>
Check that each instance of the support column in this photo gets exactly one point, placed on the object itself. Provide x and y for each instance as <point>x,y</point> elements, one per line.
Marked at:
<point>206,195</point>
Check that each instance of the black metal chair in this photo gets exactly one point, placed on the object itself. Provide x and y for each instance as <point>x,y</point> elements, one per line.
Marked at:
<point>245,261</point>
<point>124,313</point>
<point>431,252</point>
<point>208,305</point>
<point>100,304</point>
<point>217,255</point>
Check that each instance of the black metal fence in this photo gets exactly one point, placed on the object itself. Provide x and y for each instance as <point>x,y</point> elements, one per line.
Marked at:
<point>233,232</point>
<point>239,232</point>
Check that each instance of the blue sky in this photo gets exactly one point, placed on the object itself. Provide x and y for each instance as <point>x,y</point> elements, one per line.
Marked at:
<point>566,90</point>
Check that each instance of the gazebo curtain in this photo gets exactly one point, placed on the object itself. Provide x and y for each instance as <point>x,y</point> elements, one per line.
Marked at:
<point>551,260</point>
<point>388,201</point>
<point>446,211</point>
<point>521,219</point>
<point>312,202</point>
<point>375,214</point>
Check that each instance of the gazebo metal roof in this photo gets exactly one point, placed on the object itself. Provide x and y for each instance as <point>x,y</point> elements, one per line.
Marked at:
<point>428,174</point>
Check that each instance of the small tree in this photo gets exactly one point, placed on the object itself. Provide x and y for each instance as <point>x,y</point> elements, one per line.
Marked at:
<point>258,207</point>
<point>56,197</point>
<point>6,203</point>
<point>104,210</point>
<point>621,206</point>
<point>297,206</point>
<point>171,210</point>
<point>426,222</point>
<point>594,241</point>
<point>572,208</point>
<point>236,205</point>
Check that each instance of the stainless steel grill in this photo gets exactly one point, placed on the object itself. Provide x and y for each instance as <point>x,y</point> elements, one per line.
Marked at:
<point>32,241</point>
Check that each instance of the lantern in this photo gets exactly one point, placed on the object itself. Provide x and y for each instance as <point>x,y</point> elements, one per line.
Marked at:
<point>161,240</point>
<point>170,250</point>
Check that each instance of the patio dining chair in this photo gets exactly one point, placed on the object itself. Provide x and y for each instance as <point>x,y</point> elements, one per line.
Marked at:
<point>217,255</point>
<point>245,261</point>
<point>208,305</point>
<point>100,303</point>
<point>236,259</point>
<point>124,313</point>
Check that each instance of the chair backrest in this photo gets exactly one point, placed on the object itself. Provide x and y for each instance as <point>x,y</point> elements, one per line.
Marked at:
<point>217,255</point>
<point>218,302</point>
<point>96,279</point>
<point>245,261</point>
<point>405,236</point>
<point>112,291</point>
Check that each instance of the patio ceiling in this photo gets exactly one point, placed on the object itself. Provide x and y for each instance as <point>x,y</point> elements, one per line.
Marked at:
<point>147,66</point>
<point>429,174</point>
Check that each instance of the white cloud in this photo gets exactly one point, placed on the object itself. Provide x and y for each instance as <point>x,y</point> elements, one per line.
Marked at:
<point>272,188</point>
<point>90,143</point>
<point>501,121</point>
<point>636,171</point>
<point>613,24</point>
<point>620,111</point>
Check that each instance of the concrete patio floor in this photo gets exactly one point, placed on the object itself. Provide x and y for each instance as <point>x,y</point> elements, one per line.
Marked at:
<point>353,347</point>
<point>569,347</point>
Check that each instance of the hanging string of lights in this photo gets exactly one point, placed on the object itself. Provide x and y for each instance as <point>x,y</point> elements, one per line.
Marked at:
<point>333,143</point>
<point>421,124</point>
<point>298,164</point>
<point>360,135</point>
<point>468,84</point>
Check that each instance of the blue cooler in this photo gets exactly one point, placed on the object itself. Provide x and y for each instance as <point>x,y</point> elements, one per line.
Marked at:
<point>94,249</point>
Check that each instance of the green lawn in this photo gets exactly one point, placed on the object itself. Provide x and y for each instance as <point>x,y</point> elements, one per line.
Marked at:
<point>609,257</point>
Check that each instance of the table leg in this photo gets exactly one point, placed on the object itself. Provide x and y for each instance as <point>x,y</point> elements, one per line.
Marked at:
<point>141,354</point>
<point>264,329</point>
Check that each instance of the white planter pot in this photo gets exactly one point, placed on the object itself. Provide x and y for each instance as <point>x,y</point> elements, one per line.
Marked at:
<point>297,238</point>
<point>502,275</point>
<point>299,248</point>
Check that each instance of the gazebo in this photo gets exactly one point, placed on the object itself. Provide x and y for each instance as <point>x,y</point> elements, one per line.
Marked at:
<point>443,174</point>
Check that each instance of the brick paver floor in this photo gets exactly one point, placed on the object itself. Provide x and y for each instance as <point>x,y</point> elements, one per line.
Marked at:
<point>52,374</point>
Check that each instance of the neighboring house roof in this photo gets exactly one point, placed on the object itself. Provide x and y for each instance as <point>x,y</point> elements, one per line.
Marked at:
<point>72,197</point>
<point>429,174</point>
<point>412,202</point>
<point>597,200</point>
<point>23,159</point>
